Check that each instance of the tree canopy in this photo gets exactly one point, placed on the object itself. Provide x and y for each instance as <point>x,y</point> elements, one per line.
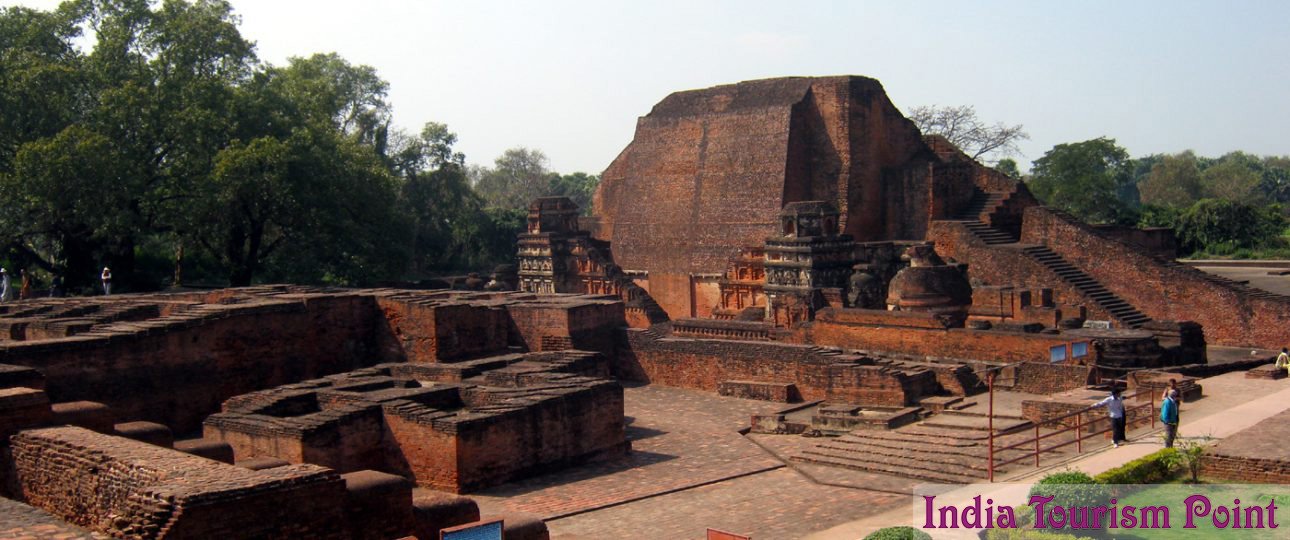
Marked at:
<point>170,143</point>
<point>1091,179</point>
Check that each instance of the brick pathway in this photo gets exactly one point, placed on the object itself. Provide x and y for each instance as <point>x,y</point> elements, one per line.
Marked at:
<point>22,522</point>
<point>680,439</point>
<point>779,505</point>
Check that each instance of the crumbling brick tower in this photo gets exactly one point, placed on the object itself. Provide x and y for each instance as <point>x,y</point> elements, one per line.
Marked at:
<point>709,171</point>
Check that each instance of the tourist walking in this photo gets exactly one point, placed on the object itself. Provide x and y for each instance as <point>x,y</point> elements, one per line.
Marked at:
<point>1169,415</point>
<point>1283,359</point>
<point>4,285</point>
<point>106,276</point>
<point>56,287</point>
<point>1115,410</point>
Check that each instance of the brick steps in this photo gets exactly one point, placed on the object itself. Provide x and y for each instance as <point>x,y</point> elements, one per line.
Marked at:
<point>922,452</point>
<point>1117,307</point>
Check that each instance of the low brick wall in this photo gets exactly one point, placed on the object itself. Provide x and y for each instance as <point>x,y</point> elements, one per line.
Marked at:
<point>125,487</point>
<point>777,392</point>
<point>1246,470</point>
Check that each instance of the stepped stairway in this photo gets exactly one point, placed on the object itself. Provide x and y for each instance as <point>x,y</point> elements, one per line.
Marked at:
<point>1117,307</point>
<point>947,448</point>
<point>977,215</point>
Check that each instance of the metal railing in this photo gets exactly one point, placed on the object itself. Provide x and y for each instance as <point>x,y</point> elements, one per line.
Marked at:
<point>1036,442</point>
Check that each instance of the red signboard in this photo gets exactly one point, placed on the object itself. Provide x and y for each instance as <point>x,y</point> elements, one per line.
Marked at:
<point>714,534</point>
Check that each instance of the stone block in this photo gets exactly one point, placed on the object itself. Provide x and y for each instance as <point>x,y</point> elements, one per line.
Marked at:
<point>210,449</point>
<point>87,414</point>
<point>149,432</point>
<point>433,511</point>
<point>22,408</point>
<point>261,463</point>
<point>1268,371</point>
<point>378,505</point>
<point>764,391</point>
<point>15,376</point>
<point>524,527</point>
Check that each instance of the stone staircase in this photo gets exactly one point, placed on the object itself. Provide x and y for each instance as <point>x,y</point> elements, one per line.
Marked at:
<point>983,203</point>
<point>947,448</point>
<point>1117,307</point>
<point>976,218</point>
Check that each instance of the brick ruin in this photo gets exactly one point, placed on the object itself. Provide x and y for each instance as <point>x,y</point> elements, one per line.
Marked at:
<point>788,240</point>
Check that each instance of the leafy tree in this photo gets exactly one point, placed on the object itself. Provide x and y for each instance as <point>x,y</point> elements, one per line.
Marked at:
<point>960,125</point>
<point>517,177</point>
<point>1234,177</point>
<point>1221,223</point>
<point>579,187</point>
<point>1091,179</point>
<point>1174,180</point>
<point>1008,167</point>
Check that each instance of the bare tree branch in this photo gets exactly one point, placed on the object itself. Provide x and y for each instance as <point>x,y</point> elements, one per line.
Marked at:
<point>960,125</point>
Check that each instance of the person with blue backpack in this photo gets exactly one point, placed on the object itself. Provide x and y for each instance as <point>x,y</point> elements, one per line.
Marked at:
<point>1169,415</point>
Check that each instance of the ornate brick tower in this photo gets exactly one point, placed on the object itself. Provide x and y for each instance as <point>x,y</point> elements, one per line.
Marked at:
<point>808,257</point>
<point>545,248</point>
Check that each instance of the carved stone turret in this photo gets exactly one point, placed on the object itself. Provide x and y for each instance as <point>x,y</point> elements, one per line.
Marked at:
<point>805,259</point>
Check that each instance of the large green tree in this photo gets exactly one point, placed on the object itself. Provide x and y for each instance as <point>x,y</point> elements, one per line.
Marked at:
<point>1092,180</point>
<point>1174,181</point>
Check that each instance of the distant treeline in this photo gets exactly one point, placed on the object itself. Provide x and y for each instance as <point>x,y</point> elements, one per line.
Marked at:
<point>169,152</point>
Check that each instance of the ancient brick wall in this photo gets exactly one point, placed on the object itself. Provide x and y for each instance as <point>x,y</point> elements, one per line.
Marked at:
<point>1246,470</point>
<point>919,334</point>
<point>437,332</point>
<point>1230,313</point>
<point>704,364</point>
<point>123,487</point>
<point>177,371</point>
<point>1047,378</point>
<point>708,171</point>
<point>582,425</point>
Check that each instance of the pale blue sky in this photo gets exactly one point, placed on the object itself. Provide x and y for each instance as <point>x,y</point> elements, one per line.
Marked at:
<point>570,78</point>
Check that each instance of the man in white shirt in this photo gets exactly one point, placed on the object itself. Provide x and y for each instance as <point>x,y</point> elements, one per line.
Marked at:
<point>1115,409</point>
<point>4,285</point>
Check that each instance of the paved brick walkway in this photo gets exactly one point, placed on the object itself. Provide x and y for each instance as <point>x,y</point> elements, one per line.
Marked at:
<point>775,505</point>
<point>22,522</point>
<point>680,439</point>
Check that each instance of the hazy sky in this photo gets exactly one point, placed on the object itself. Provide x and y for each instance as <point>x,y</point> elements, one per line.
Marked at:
<point>570,78</point>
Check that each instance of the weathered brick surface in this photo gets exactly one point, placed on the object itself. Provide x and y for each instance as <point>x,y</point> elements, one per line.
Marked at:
<point>1257,454</point>
<point>817,374</point>
<point>920,334</point>
<point>176,369</point>
<point>125,487</point>
<point>1047,378</point>
<point>709,170</point>
<point>19,521</point>
<point>1231,313</point>
<point>763,391</point>
<point>495,419</point>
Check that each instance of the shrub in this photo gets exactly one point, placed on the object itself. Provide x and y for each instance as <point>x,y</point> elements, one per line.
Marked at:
<point>898,533</point>
<point>1069,489</point>
<point>1148,469</point>
<point>1027,534</point>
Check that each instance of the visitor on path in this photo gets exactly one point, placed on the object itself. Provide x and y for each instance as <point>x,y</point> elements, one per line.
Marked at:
<point>4,285</point>
<point>24,291</point>
<point>1169,415</point>
<point>1172,388</point>
<point>1283,360</point>
<point>56,287</point>
<point>1115,409</point>
<point>107,281</point>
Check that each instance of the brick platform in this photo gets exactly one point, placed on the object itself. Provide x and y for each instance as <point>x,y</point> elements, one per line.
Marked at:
<point>1257,454</point>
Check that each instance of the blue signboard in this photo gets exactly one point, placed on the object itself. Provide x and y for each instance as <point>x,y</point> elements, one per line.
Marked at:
<point>1057,354</point>
<point>1079,349</point>
<point>489,530</point>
